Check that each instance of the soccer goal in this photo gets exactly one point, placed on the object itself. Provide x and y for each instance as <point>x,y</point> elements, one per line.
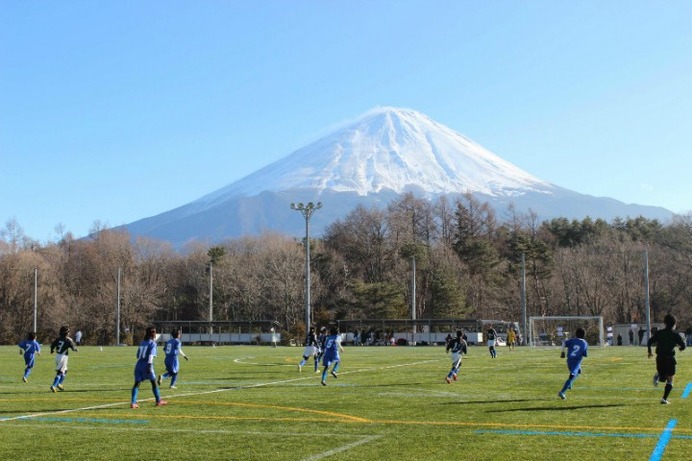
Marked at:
<point>551,331</point>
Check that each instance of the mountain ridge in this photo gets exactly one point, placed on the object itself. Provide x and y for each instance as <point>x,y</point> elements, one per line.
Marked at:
<point>385,153</point>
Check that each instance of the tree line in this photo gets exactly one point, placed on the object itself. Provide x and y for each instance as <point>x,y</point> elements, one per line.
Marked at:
<point>468,264</point>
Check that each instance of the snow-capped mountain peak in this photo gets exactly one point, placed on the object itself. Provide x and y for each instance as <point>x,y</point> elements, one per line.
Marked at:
<point>388,148</point>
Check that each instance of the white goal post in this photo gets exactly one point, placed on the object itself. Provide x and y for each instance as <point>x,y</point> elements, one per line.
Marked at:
<point>551,331</point>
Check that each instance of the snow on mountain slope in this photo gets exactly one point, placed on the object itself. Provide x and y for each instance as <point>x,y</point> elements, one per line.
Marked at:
<point>388,148</point>
<point>370,163</point>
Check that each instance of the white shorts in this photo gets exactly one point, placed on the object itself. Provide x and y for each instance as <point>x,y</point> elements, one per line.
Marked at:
<point>61,363</point>
<point>456,357</point>
<point>309,351</point>
<point>491,343</point>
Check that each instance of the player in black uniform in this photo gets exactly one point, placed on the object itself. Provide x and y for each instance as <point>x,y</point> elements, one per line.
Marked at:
<point>61,346</point>
<point>492,341</point>
<point>457,346</point>
<point>311,349</point>
<point>665,341</point>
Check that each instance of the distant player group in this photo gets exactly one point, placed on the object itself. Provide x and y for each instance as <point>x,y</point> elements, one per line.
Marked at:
<point>326,348</point>
<point>144,367</point>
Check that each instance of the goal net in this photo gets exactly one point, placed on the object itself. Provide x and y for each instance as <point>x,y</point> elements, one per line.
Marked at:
<point>551,331</point>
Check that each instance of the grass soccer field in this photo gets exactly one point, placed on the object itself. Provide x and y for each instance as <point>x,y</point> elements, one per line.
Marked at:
<point>388,403</point>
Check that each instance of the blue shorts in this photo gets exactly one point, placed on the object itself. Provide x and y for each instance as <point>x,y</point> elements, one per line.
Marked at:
<point>143,372</point>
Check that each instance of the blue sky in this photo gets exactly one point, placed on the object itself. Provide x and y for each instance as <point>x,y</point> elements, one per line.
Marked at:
<point>113,111</point>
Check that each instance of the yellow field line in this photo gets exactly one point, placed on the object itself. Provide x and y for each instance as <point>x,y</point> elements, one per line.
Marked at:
<point>345,418</point>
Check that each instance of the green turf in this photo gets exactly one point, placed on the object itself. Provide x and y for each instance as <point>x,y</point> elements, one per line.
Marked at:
<point>389,403</point>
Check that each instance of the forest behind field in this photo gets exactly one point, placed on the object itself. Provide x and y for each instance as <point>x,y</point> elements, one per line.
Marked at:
<point>467,259</point>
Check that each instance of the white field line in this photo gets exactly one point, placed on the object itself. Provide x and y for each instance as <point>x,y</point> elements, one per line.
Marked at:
<point>333,451</point>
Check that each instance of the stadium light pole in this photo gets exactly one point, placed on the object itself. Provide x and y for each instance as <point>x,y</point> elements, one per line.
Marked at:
<point>117,309</point>
<point>35,298</point>
<point>307,210</point>
<point>647,304</point>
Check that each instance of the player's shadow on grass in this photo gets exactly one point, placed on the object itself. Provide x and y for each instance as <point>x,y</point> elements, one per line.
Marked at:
<point>560,408</point>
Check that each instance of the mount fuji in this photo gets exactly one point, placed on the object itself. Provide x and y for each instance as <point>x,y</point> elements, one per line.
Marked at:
<point>386,153</point>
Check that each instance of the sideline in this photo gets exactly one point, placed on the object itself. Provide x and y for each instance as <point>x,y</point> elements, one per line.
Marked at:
<point>687,391</point>
<point>663,441</point>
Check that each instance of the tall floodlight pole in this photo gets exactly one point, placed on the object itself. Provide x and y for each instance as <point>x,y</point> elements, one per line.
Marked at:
<point>413,298</point>
<point>117,311</point>
<point>307,211</point>
<point>647,305</point>
<point>523,295</point>
<point>35,298</point>
<point>211,297</point>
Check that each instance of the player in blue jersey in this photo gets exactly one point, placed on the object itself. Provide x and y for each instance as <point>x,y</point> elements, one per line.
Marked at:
<point>576,349</point>
<point>144,369</point>
<point>666,363</point>
<point>29,348</point>
<point>61,346</point>
<point>312,349</point>
<point>457,346</point>
<point>173,348</point>
<point>332,347</point>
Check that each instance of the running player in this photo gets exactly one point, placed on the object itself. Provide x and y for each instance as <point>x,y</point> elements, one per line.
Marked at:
<point>172,349</point>
<point>29,348</point>
<point>61,346</point>
<point>665,341</point>
<point>457,346</point>
<point>576,350</point>
<point>311,349</point>
<point>332,347</point>
<point>144,369</point>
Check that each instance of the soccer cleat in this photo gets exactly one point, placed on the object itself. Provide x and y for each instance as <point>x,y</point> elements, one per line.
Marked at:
<point>161,403</point>
<point>60,388</point>
<point>334,374</point>
<point>324,383</point>
<point>449,381</point>
<point>454,376</point>
<point>300,368</point>
<point>24,379</point>
<point>656,380</point>
<point>562,395</point>
<point>134,406</point>
<point>159,379</point>
<point>53,389</point>
<point>664,402</point>
<point>173,387</point>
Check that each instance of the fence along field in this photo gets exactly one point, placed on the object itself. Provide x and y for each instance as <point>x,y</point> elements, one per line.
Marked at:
<point>250,403</point>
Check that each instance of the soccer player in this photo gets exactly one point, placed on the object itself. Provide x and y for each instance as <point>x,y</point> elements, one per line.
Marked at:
<point>457,346</point>
<point>29,347</point>
<point>492,339</point>
<point>576,349</point>
<point>61,346</point>
<point>173,348</point>
<point>144,369</point>
<point>665,341</point>
<point>511,338</point>
<point>332,347</point>
<point>321,340</point>
<point>311,349</point>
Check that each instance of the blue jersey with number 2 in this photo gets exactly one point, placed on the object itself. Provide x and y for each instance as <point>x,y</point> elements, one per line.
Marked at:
<point>576,351</point>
